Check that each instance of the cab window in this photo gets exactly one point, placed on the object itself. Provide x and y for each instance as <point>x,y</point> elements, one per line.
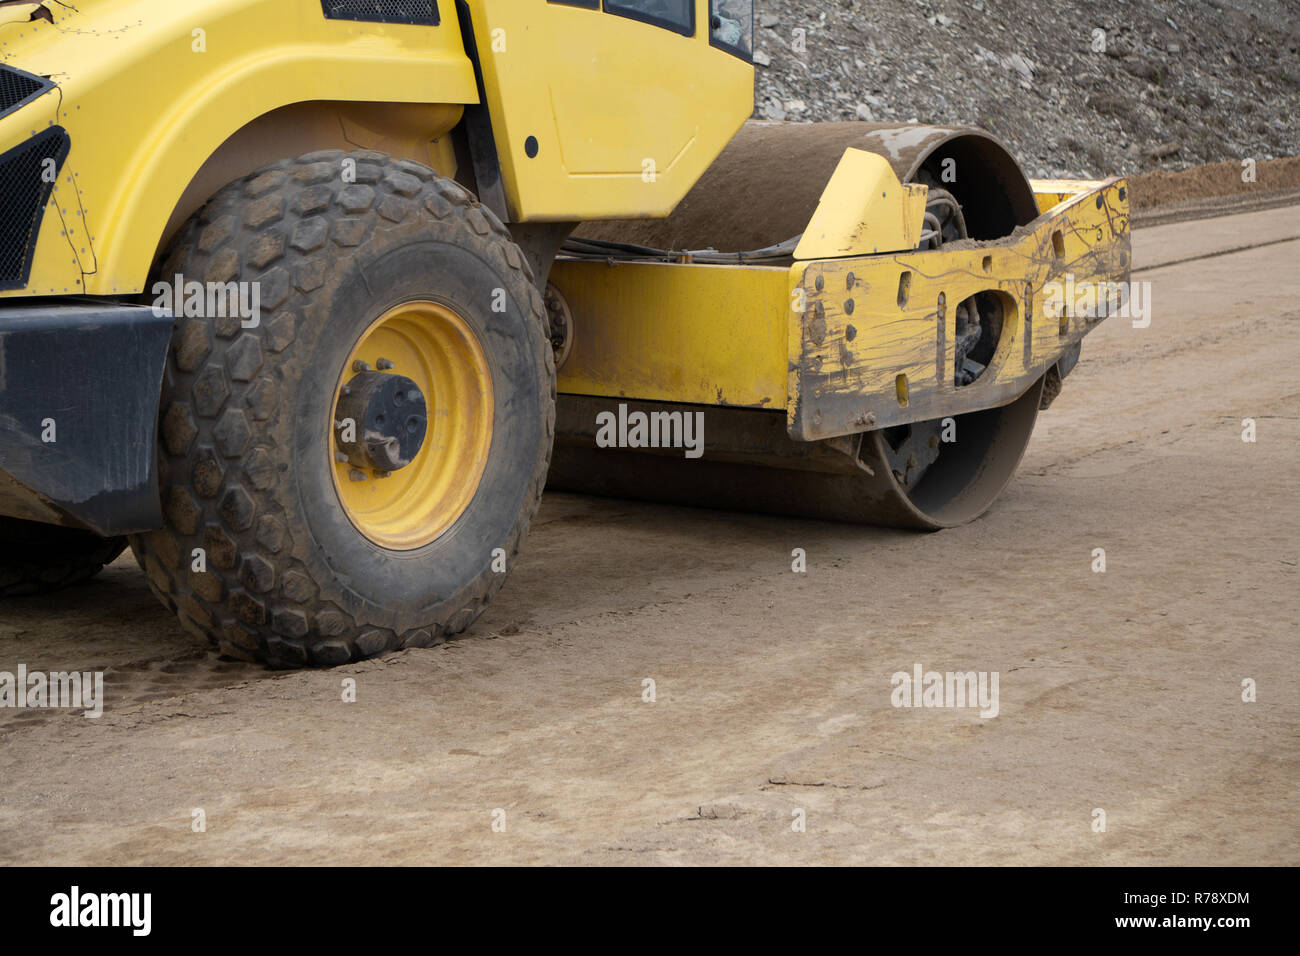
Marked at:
<point>675,15</point>
<point>731,26</point>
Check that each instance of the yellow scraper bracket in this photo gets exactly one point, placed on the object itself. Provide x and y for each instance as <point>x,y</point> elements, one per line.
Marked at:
<point>876,343</point>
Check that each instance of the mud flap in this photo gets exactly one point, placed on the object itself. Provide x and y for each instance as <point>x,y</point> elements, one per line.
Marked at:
<point>79,387</point>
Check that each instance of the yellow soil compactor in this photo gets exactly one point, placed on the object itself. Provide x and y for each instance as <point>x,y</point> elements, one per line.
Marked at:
<point>308,300</point>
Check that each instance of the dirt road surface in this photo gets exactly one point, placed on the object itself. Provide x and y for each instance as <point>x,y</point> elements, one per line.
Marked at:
<point>1119,691</point>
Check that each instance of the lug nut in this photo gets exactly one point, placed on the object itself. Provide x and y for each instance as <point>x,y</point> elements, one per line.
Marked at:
<point>339,456</point>
<point>356,474</point>
<point>384,364</point>
<point>382,474</point>
<point>360,366</point>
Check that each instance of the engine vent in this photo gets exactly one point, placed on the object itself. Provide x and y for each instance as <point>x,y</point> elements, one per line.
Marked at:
<point>424,12</point>
<point>26,179</point>
<point>18,88</point>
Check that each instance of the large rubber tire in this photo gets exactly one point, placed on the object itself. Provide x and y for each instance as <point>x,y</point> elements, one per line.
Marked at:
<point>36,557</point>
<point>247,452</point>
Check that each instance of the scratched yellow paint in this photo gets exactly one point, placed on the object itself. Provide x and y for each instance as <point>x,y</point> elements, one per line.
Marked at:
<point>844,364</point>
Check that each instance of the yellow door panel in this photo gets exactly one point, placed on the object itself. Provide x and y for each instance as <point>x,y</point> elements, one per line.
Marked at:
<point>610,138</point>
<point>599,116</point>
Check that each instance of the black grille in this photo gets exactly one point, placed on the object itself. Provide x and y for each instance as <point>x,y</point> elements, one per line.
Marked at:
<point>423,12</point>
<point>26,180</point>
<point>18,88</point>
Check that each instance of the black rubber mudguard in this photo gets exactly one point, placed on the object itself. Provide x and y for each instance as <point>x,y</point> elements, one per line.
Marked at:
<point>79,387</point>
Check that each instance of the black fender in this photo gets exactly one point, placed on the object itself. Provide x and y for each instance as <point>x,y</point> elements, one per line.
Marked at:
<point>79,388</point>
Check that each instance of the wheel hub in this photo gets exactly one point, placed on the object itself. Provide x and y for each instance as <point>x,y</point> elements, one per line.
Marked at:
<point>382,420</point>
<point>417,390</point>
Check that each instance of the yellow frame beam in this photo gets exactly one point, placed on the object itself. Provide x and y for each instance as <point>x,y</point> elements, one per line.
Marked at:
<point>704,334</point>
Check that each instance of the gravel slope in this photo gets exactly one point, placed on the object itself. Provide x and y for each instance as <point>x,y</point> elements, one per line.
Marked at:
<point>1178,83</point>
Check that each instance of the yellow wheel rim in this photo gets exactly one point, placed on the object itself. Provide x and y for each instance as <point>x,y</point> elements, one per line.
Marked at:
<point>433,346</point>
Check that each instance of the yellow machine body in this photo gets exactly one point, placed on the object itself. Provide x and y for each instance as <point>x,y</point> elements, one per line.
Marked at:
<point>165,102</point>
